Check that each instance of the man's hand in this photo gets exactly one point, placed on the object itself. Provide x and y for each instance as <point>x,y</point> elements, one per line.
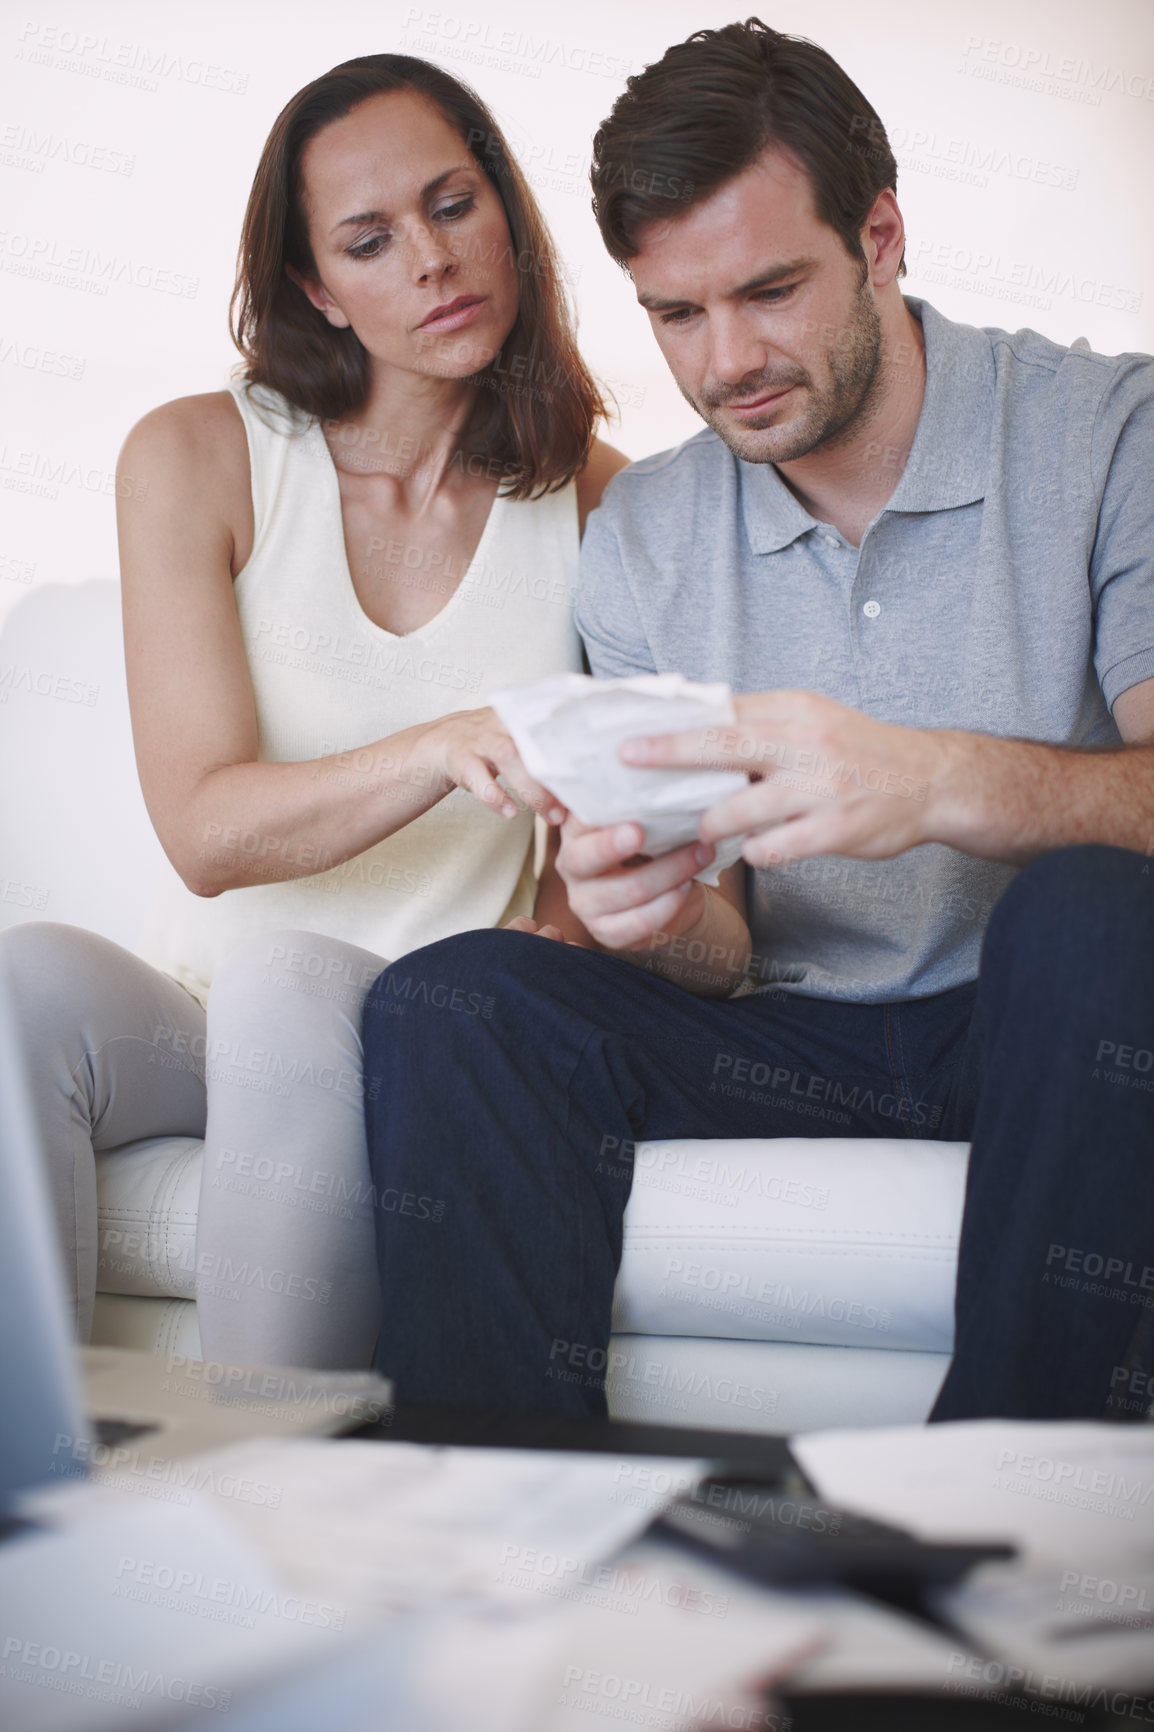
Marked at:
<point>623,898</point>
<point>825,779</point>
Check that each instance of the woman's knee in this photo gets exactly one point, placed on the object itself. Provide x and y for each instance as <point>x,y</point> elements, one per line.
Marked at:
<point>287,1005</point>
<point>45,958</point>
<point>292,978</point>
<point>75,989</point>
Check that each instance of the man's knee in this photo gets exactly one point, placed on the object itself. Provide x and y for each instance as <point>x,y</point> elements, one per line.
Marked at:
<point>452,976</point>
<point>468,976</point>
<point>1105,894</point>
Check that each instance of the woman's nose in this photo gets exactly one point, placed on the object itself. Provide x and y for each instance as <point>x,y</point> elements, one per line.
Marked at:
<point>433,258</point>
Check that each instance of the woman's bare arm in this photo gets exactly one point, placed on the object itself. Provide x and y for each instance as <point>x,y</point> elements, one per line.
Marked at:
<point>224,818</point>
<point>603,463</point>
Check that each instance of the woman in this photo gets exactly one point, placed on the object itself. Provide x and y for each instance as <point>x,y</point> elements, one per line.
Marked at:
<point>327,568</point>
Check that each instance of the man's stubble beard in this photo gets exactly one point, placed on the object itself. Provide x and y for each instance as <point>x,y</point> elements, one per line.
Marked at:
<point>835,414</point>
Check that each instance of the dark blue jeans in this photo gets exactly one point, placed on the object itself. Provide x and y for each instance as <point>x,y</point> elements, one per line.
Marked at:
<point>508,1077</point>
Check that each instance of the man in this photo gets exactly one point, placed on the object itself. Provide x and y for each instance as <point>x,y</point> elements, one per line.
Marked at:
<point>925,552</point>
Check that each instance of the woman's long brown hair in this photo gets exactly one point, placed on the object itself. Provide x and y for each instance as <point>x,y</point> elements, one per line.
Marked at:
<point>537,405</point>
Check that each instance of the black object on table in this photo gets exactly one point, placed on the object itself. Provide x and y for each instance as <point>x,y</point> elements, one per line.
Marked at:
<point>899,1711</point>
<point>762,1460</point>
<point>772,1537</point>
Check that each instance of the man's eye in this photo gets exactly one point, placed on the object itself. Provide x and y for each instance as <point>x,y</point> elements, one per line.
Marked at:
<point>776,294</point>
<point>368,249</point>
<point>680,316</point>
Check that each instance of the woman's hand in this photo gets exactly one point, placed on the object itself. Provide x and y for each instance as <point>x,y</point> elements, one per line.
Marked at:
<point>470,749</point>
<point>526,923</point>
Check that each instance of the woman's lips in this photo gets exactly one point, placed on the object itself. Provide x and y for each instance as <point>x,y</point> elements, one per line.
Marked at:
<point>458,313</point>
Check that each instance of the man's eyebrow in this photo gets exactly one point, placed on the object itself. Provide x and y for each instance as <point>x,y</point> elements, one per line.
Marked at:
<point>430,187</point>
<point>775,274</point>
<point>763,280</point>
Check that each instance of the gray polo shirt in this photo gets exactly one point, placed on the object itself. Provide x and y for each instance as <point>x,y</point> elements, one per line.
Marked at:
<point>1007,588</point>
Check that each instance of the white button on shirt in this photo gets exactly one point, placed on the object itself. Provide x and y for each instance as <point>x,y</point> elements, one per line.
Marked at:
<point>872,609</point>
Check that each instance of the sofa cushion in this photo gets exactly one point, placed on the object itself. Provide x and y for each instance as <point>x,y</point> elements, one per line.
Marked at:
<point>827,1241</point>
<point>147,1195</point>
<point>767,1386</point>
<point>832,1241</point>
<point>149,1325</point>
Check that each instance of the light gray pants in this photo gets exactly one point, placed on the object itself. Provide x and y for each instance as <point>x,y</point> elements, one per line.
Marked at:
<point>272,1080</point>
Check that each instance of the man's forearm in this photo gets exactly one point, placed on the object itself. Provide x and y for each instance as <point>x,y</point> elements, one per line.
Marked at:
<point>1014,799</point>
<point>710,957</point>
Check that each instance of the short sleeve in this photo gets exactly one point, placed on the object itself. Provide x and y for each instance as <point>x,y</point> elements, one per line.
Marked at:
<point>607,615</point>
<point>1122,561</point>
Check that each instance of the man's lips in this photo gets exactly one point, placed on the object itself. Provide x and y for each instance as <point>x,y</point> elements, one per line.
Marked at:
<point>453,314</point>
<point>758,405</point>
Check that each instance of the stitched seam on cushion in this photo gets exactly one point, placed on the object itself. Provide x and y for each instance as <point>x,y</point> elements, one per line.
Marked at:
<point>158,1227</point>
<point>894,1254</point>
<point>176,1172</point>
<point>122,1211</point>
<point>799,1233</point>
<point>109,1216</point>
<point>154,1239</point>
<point>170,1327</point>
<point>113,1214</point>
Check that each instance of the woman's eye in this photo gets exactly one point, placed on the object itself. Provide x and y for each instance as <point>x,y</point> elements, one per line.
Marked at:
<point>375,244</point>
<point>368,249</point>
<point>460,208</point>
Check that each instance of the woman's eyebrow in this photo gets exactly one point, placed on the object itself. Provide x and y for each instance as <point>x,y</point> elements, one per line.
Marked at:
<point>430,187</point>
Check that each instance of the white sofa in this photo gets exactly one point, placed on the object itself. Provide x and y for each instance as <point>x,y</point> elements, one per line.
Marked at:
<point>770,1285</point>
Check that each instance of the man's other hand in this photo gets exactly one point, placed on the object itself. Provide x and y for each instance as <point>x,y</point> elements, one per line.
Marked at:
<point>624,898</point>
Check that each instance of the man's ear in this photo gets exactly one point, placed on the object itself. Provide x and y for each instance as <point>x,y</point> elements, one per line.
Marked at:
<point>883,238</point>
<point>315,291</point>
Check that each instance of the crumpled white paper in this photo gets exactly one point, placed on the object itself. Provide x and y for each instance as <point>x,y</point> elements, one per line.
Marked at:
<point>568,727</point>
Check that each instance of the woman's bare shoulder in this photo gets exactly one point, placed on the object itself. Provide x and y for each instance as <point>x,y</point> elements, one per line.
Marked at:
<point>187,462</point>
<point>207,427</point>
<point>601,466</point>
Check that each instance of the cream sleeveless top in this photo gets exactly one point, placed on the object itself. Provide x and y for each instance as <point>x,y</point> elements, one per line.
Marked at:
<point>328,680</point>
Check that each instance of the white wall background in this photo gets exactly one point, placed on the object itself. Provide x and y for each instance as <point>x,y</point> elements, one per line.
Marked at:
<point>1024,131</point>
<point>129,132</point>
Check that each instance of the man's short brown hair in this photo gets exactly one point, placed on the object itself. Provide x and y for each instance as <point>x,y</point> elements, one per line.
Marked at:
<point>710,106</point>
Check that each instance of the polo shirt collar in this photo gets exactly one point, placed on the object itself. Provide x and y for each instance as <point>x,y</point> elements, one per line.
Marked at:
<point>773,517</point>
<point>948,461</point>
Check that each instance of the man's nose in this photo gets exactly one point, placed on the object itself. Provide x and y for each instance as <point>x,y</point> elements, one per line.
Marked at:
<point>736,352</point>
